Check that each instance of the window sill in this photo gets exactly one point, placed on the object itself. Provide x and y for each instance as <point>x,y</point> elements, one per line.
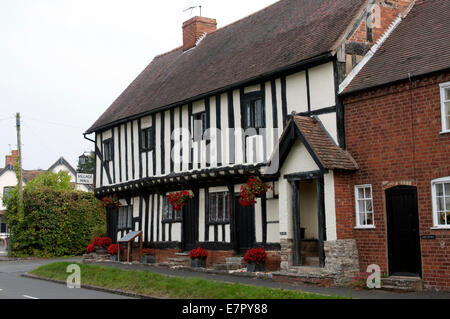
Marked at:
<point>364,227</point>
<point>444,132</point>
<point>440,228</point>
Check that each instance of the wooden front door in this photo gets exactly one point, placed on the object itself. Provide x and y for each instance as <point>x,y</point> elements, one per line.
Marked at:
<point>403,231</point>
<point>111,223</point>
<point>245,227</point>
<point>190,225</point>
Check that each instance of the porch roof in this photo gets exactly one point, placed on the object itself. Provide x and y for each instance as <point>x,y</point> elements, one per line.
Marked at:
<point>318,142</point>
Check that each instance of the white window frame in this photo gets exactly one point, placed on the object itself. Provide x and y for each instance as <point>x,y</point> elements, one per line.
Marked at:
<point>358,222</point>
<point>434,203</point>
<point>444,112</point>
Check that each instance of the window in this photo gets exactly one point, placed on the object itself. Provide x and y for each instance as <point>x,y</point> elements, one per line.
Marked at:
<point>254,116</point>
<point>219,207</point>
<point>369,25</point>
<point>147,139</point>
<point>108,150</point>
<point>3,225</point>
<point>199,125</point>
<point>445,107</point>
<point>441,202</point>
<point>6,191</point>
<point>170,214</point>
<point>364,206</point>
<point>125,217</point>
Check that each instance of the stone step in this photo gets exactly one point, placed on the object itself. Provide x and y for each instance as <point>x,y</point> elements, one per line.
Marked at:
<point>402,283</point>
<point>178,260</point>
<point>310,261</point>
<point>183,254</point>
<point>220,267</point>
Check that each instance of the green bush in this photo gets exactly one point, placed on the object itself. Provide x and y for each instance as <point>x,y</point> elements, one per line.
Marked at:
<point>55,220</point>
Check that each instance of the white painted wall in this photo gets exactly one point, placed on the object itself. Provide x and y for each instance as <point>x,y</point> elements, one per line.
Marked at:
<point>8,179</point>
<point>321,81</point>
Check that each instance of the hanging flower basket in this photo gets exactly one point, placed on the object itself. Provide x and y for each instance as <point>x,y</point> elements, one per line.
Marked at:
<point>178,199</point>
<point>109,202</point>
<point>251,190</point>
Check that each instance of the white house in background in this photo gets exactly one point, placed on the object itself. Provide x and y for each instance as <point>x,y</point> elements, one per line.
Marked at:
<point>8,181</point>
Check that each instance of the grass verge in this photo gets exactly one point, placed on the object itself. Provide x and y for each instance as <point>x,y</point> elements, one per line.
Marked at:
<point>156,285</point>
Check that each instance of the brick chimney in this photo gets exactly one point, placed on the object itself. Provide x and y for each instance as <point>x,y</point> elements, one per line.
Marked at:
<point>11,159</point>
<point>195,28</point>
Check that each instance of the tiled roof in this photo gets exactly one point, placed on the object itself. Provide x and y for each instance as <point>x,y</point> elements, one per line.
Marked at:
<point>418,46</point>
<point>282,35</point>
<point>329,154</point>
<point>29,175</point>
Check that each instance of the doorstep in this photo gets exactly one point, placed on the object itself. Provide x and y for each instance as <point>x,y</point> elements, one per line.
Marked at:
<point>402,284</point>
<point>305,275</point>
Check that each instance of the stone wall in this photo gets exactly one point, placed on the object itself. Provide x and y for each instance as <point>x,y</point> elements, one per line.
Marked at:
<point>341,258</point>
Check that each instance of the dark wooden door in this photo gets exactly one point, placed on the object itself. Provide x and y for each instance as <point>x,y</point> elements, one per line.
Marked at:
<point>245,227</point>
<point>111,223</point>
<point>190,225</point>
<point>403,231</point>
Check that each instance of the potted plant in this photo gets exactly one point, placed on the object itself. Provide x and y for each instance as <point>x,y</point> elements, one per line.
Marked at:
<point>109,202</point>
<point>112,250</point>
<point>101,244</point>
<point>254,188</point>
<point>255,259</point>
<point>198,257</point>
<point>90,249</point>
<point>178,199</point>
<point>148,256</point>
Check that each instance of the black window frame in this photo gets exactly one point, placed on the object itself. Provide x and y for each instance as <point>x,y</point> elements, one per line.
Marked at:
<point>108,150</point>
<point>225,217</point>
<point>249,102</point>
<point>129,220</point>
<point>147,143</point>
<point>170,215</point>
<point>3,225</point>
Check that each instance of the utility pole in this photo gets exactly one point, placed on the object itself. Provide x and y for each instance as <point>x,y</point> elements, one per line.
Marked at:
<point>19,158</point>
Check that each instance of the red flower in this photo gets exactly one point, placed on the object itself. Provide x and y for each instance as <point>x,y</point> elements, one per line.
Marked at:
<point>178,199</point>
<point>109,202</point>
<point>90,248</point>
<point>112,249</point>
<point>254,187</point>
<point>255,256</point>
<point>102,241</point>
<point>198,253</point>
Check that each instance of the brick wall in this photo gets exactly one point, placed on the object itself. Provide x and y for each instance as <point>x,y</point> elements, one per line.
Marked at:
<point>394,135</point>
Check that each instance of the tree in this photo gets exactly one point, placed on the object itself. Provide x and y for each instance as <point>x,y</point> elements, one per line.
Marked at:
<point>86,164</point>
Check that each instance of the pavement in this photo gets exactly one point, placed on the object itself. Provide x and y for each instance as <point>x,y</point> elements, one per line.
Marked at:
<point>14,286</point>
<point>335,291</point>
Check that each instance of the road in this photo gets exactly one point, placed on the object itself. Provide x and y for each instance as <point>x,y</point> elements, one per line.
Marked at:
<point>13,286</point>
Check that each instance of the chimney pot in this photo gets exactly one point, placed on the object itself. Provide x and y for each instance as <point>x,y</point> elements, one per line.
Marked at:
<point>195,28</point>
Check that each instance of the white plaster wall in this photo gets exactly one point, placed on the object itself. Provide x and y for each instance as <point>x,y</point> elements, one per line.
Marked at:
<point>330,124</point>
<point>201,215</point>
<point>296,93</point>
<point>330,206</point>
<point>273,229</point>
<point>322,90</point>
<point>308,209</point>
<point>8,179</point>
<point>64,168</point>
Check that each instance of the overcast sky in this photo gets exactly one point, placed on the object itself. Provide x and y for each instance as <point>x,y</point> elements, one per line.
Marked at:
<point>63,62</point>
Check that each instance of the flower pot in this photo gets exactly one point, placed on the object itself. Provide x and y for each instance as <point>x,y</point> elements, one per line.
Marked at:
<point>198,263</point>
<point>148,259</point>
<point>113,257</point>
<point>253,267</point>
<point>101,250</point>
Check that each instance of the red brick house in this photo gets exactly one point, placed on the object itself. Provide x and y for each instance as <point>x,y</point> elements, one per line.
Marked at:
<point>397,128</point>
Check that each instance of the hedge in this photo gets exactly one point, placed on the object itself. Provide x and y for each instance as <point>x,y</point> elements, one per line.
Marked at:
<point>55,223</point>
